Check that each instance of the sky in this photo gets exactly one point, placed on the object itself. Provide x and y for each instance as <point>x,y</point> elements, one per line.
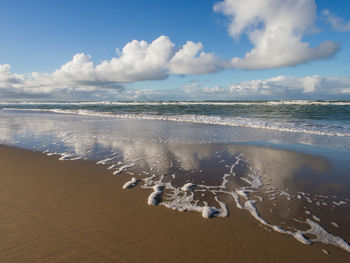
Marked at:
<point>174,50</point>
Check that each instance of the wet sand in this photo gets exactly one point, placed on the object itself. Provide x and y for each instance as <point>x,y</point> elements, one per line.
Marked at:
<point>76,211</point>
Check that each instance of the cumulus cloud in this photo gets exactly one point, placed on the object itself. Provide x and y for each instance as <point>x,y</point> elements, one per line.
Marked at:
<point>275,28</point>
<point>138,61</point>
<point>336,22</point>
<point>191,60</point>
<point>315,87</point>
<point>279,87</point>
<point>7,78</point>
<point>79,78</point>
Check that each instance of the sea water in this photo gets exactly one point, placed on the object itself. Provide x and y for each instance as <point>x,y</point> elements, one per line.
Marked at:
<point>314,117</point>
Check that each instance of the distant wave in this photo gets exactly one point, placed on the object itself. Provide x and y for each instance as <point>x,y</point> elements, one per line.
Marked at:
<point>216,120</point>
<point>223,103</point>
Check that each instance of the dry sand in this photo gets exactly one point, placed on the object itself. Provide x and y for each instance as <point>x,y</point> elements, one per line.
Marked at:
<point>76,211</point>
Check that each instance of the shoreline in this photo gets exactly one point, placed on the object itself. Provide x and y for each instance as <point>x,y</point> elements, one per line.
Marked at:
<point>240,122</point>
<point>76,210</point>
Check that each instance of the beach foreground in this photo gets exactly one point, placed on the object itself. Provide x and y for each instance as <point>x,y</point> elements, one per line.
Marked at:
<point>75,211</point>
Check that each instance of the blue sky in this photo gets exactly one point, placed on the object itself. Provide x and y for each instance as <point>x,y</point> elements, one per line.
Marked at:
<point>42,36</point>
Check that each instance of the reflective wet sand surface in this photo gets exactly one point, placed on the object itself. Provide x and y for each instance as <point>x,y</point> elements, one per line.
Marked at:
<point>282,192</point>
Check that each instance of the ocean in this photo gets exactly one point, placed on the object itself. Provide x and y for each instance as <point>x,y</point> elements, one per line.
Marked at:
<point>311,117</point>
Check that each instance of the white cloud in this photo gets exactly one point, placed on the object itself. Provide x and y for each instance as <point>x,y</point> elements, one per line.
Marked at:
<point>80,68</point>
<point>7,78</point>
<point>191,60</point>
<point>79,79</point>
<point>336,22</point>
<point>287,87</point>
<point>138,61</point>
<point>142,61</point>
<point>275,28</point>
<point>279,87</point>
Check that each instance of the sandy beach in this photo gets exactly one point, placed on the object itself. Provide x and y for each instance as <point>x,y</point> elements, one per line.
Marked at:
<point>76,211</point>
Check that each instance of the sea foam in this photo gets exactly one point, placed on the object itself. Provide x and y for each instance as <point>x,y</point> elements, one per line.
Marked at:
<point>130,184</point>
<point>256,123</point>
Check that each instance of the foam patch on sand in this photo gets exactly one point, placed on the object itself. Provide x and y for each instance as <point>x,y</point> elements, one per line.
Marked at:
<point>105,161</point>
<point>224,180</point>
<point>316,218</point>
<point>325,237</point>
<point>123,167</point>
<point>208,212</point>
<point>325,251</point>
<point>66,156</point>
<point>335,224</point>
<point>153,197</point>
<point>187,187</point>
<point>321,235</point>
<point>284,193</point>
<point>339,203</point>
<point>253,180</point>
<point>130,184</point>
